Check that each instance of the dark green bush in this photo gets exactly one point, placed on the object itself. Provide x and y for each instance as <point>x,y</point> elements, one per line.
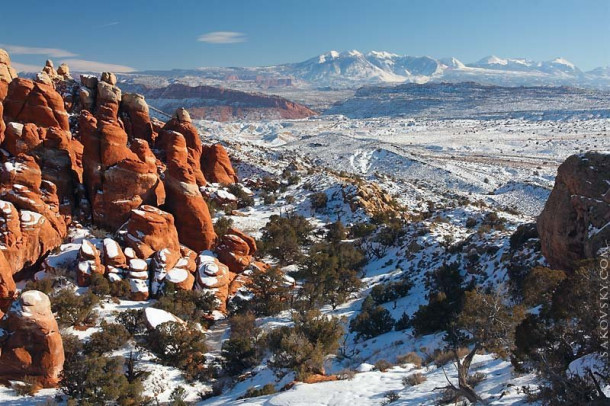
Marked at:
<point>371,322</point>
<point>111,337</point>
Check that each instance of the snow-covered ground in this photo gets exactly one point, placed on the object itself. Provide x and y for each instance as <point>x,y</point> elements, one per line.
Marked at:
<point>505,162</point>
<point>463,168</point>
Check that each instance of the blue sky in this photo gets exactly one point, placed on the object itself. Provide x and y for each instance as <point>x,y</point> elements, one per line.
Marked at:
<point>186,34</point>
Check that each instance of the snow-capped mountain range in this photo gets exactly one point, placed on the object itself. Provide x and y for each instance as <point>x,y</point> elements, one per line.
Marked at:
<point>353,69</point>
<point>343,68</point>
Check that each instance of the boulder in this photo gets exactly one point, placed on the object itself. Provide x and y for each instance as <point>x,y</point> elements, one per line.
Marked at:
<point>214,275</point>
<point>184,200</point>
<point>30,343</point>
<point>236,249</point>
<point>113,254</point>
<point>149,230</point>
<point>155,317</point>
<point>216,165</point>
<point>574,222</point>
<point>89,262</point>
<point>138,279</point>
<point>22,138</point>
<point>107,102</point>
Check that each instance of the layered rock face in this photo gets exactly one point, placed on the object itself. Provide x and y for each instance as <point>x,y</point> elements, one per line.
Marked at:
<point>222,104</point>
<point>573,224</point>
<point>184,200</point>
<point>30,343</point>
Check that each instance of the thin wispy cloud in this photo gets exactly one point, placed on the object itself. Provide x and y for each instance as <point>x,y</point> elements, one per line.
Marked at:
<point>95,66</point>
<point>109,24</point>
<point>23,50</point>
<point>223,37</point>
<point>24,67</point>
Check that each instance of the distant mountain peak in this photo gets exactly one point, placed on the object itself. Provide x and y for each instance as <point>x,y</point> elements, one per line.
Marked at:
<point>493,60</point>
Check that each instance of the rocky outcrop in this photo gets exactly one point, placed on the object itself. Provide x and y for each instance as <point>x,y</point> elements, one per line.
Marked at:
<point>138,279</point>
<point>89,263</point>
<point>30,343</point>
<point>236,250</point>
<point>574,222</point>
<point>212,274</point>
<point>7,73</point>
<point>8,289</point>
<point>184,200</point>
<point>35,102</point>
<point>118,178</point>
<point>30,221</point>
<point>216,165</point>
<point>134,112</point>
<point>150,230</point>
<point>181,123</point>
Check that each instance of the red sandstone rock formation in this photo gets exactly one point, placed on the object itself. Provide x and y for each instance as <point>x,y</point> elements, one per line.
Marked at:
<point>184,200</point>
<point>212,274</point>
<point>30,222</point>
<point>34,102</point>
<point>8,288</point>
<point>236,250</point>
<point>7,73</point>
<point>118,179</point>
<point>89,262</point>
<point>181,123</point>
<point>136,118</point>
<point>150,230</point>
<point>216,165</point>
<point>574,223</point>
<point>30,343</point>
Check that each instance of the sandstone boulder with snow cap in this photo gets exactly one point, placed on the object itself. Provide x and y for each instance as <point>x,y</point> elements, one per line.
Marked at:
<point>184,200</point>
<point>138,279</point>
<point>149,230</point>
<point>30,343</point>
<point>216,165</point>
<point>213,275</point>
<point>113,254</point>
<point>574,222</point>
<point>89,262</point>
